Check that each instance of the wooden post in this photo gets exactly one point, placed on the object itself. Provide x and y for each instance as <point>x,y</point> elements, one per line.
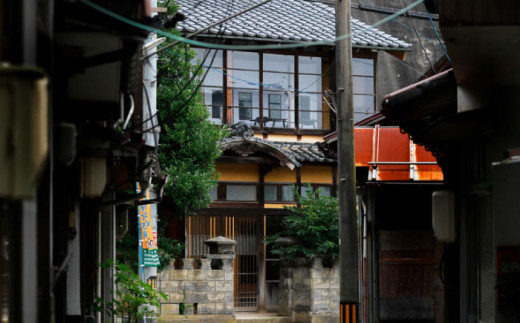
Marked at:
<point>348,249</point>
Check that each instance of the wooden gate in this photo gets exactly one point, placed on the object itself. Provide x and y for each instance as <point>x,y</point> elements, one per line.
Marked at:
<point>242,229</point>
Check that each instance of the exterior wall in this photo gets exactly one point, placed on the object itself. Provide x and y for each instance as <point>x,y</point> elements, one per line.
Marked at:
<point>204,290</point>
<point>316,174</point>
<point>280,174</point>
<point>309,293</point>
<point>241,173</point>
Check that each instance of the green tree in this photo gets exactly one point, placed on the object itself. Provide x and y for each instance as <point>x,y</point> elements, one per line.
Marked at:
<point>189,142</point>
<point>313,224</point>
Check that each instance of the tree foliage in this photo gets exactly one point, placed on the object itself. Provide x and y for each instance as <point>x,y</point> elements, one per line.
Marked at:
<point>314,225</point>
<point>189,142</point>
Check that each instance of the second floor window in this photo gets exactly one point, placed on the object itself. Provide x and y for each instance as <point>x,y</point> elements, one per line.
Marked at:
<point>269,90</point>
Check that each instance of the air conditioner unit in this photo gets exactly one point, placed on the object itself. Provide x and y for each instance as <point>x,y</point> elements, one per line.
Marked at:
<point>443,215</point>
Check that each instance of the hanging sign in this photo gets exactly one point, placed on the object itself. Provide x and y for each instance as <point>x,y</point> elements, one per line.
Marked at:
<point>149,242</point>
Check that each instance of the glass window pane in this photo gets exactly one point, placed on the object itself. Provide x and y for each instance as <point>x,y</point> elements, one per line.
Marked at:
<point>214,77</point>
<point>244,79</point>
<point>287,193</point>
<point>278,81</point>
<point>308,64</point>
<point>310,83</point>
<point>306,190</point>
<point>363,85</point>
<point>270,192</point>
<point>310,112</point>
<point>245,103</point>
<point>200,52</point>
<point>244,60</point>
<point>213,195</point>
<point>324,190</point>
<point>284,116</point>
<point>279,63</point>
<point>363,66</point>
<point>363,106</point>
<point>217,101</point>
<point>241,192</point>
<point>275,104</point>
<point>246,106</point>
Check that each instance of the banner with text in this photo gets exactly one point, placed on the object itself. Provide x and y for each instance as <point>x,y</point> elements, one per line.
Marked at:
<point>149,245</point>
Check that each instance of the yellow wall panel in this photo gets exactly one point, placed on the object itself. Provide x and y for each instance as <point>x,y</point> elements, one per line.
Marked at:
<point>237,172</point>
<point>282,137</point>
<point>277,205</point>
<point>281,174</point>
<point>316,174</point>
<point>312,139</point>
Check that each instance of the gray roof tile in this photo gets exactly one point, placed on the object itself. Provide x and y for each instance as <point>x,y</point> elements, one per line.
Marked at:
<point>299,152</point>
<point>292,20</point>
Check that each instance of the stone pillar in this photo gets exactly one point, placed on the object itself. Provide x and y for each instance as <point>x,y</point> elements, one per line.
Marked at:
<point>221,254</point>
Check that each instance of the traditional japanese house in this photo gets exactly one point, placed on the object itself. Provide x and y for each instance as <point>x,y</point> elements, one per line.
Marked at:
<point>273,94</point>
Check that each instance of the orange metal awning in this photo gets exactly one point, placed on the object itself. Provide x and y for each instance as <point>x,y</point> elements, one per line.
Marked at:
<point>392,156</point>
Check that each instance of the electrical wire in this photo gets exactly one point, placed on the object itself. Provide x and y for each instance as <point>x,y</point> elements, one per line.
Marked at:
<point>439,38</point>
<point>420,41</point>
<point>197,88</point>
<point>328,42</point>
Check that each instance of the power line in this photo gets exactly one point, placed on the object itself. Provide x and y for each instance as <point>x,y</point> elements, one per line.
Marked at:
<point>439,38</point>
<point>183,105</point>
<point>328,42</point>
<point>420,42</point>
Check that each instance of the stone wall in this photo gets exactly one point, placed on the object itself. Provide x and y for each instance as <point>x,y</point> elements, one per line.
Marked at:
<point>203,291</point>
<point>308,291</point>
<point>200,286</point>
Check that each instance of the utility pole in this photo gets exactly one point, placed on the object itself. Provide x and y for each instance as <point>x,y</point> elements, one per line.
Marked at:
<point>348,240</point>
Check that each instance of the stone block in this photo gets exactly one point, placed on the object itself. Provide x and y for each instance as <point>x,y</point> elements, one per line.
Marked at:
<point>168,286</point>
<point>216,275</point>
<point>196,297</point>
<point>316,273</point>
<point>188,286</point>
<point>301,307</point>
<point>320,283</point>
<point>203,264</point>
<point>300,294</point>
<point>223,286</point>
<point>302,284</point>
<point>170,309</point>
<point>197,274</point>
<point>320,305</point>
<point>204,286</point>
<point>318,294</point>
<point>179,274</point>
<point>176,297</point>
<point>229,275</point>
<point>163,275</point>
<point>186,263</point>
<point>224,309</point>
<point>205,309</point>
<point>286,283</point>
<point>229,297</point>
<point>216,297</point>
<point>300,317</point>
<point>301,273</point>
<point>324,318</point>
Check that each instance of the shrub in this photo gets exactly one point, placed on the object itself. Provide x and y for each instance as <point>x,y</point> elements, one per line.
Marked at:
<point>314,224</point>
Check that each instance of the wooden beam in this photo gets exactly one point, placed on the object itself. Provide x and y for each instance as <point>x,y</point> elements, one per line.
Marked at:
<point>159,9</point>
<point>248,160</point>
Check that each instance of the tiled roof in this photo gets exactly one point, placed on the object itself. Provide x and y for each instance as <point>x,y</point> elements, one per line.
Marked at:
<point>295,152</point>
<point>279,20</point>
